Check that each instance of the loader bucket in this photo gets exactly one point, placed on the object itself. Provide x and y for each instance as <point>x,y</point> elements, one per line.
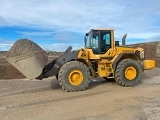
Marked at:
<point>29,65</point>
<point>27,57</point>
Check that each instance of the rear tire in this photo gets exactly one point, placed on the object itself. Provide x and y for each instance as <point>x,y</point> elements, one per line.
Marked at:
<point>128,73</point>
<point>74,76</point>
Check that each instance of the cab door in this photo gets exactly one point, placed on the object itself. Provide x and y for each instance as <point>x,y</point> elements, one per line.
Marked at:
<point>104,41</point>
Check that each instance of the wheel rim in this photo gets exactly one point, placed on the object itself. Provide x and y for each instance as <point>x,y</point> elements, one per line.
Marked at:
<point>75,77</point>
<point>130,73</point>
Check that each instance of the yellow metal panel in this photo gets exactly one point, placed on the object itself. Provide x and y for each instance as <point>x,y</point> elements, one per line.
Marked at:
<point>125,49</point>
<point>148,64</point>
<point>88,54</point>
<point>102,70</point>
<point>83,54</point>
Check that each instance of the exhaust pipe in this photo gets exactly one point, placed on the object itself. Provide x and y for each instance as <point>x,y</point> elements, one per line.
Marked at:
<point>124,39</point>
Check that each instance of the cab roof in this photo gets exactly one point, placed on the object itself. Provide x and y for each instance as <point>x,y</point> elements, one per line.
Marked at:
<point>98,29</point>
<point>102,29</point>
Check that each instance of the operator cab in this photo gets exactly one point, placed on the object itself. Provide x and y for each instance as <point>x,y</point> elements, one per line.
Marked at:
<point>99,40</point>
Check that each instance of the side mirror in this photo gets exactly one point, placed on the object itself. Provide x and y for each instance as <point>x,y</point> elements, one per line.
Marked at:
<point>86,34</point>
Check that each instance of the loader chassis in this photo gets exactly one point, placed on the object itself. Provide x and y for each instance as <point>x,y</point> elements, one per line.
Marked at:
<point>101,57</point>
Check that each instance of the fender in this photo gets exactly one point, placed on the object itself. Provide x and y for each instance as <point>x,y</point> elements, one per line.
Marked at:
<point>137,57</point>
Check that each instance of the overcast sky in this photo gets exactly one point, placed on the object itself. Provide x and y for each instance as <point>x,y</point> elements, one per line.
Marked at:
<point>56,24</point>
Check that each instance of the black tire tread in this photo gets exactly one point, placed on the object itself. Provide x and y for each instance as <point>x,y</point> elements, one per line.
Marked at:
<point>62,73</point>
<point>120,68</point>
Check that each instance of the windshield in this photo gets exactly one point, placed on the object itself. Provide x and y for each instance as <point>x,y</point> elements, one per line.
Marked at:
<point>90,41</point>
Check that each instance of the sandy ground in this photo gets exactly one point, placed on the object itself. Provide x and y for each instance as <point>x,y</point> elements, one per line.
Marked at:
<point>45,100</point>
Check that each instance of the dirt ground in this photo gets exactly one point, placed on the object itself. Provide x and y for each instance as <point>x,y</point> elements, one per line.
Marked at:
<point>7,71</point>
<point>22,99</point>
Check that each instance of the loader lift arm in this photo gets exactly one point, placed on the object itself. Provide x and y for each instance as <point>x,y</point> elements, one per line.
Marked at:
<point>52,68</point>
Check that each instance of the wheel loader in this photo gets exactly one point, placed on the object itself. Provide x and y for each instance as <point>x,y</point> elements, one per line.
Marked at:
<point>102,56</point>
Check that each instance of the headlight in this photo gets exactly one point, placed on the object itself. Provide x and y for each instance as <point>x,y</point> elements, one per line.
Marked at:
<point>142,54</point>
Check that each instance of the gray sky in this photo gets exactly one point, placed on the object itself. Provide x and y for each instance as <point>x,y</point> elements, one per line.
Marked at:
<point>56,24</point>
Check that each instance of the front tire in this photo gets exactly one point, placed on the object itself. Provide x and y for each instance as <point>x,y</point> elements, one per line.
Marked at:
<point>128,73</point>
<point>74,76</point>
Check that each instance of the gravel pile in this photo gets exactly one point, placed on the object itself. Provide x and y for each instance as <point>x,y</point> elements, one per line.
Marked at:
<point>24,47</point>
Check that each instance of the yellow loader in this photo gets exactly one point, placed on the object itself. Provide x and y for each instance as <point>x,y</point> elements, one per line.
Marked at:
<point>102,56</point>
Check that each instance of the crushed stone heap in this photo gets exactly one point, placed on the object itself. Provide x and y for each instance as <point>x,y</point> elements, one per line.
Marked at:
<point>24,47</point>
